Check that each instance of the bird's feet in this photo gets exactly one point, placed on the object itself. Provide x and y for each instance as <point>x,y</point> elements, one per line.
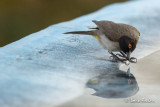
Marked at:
<point>123,55</point>
<point>122,58</point>
<point>116,58</point>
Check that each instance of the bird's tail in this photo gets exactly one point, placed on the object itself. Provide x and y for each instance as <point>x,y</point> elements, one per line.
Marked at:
<point>92,32</point>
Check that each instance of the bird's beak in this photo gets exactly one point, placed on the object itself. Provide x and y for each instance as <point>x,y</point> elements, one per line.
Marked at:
<point>128,55</point>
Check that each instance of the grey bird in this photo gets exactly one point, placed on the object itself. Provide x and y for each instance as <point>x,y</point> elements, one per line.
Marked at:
<point>114,37</point>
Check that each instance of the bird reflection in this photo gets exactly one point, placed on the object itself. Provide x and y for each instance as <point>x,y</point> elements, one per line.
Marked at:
<point>114,85</point>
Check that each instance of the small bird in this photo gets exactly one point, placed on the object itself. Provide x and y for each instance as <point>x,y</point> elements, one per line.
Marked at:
<point>114,37</point>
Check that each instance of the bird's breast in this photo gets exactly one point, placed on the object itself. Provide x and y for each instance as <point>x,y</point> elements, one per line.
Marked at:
<point>108,44</point>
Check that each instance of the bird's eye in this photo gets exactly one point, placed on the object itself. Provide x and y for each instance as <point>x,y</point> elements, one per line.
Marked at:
<point>129,46</point>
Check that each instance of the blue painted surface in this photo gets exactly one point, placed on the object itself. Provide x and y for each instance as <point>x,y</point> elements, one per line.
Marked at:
<point>49,68</point>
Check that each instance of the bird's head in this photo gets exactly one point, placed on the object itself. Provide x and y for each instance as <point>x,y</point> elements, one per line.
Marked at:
<point>127,45</point>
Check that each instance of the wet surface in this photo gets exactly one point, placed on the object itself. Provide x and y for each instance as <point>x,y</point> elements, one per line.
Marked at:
<point>114,85</point>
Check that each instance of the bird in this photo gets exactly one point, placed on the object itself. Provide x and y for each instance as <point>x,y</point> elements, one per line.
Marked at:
<point>114,37</point>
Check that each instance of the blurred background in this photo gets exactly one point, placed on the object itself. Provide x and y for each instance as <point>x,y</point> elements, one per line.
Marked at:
<point>18,18</point>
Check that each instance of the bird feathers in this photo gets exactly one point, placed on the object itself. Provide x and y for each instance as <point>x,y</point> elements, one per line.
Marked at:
<point>92,32</point>
<point>109,33</point>
<point>114,31</point>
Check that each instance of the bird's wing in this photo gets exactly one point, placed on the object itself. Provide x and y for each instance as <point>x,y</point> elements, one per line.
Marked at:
<point>116,30</point>
<point>109,28</point>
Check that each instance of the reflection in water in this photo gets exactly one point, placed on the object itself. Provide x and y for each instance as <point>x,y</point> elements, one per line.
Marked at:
<point>114,85</point>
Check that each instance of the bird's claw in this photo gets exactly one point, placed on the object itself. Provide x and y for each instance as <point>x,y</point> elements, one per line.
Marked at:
<point>119,55</point>
<point>122,58</point>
